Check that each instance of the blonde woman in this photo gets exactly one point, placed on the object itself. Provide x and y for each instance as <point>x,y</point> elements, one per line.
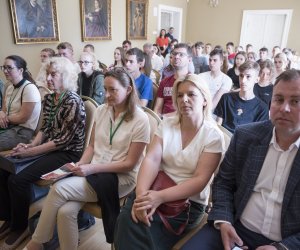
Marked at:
<point>188,148</point>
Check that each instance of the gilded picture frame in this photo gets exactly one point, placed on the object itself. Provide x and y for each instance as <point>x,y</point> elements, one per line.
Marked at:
<point>95,19</point>
<point>137,19</point>
<point>34,21</point>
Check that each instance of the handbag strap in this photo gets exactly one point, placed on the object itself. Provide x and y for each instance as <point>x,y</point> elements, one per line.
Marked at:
<point>168,225</point>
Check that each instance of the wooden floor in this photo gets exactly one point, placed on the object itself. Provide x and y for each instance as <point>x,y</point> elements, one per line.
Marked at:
<point>91,239</point>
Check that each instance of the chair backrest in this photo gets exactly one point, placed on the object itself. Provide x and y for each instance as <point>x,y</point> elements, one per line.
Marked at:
<point>154,121</point>
<point>90,108</point>
<point>43,91</point>
<point>155,89</point>
<point>157,76</point>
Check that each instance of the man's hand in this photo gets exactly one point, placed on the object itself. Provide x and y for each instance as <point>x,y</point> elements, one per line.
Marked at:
<point>230,237</point>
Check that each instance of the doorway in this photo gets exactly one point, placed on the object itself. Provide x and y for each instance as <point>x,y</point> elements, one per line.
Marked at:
<point>265,28</point>
<point>169,16</point>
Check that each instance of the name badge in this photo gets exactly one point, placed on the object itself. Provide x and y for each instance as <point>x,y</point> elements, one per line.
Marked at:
<point>106,157</point>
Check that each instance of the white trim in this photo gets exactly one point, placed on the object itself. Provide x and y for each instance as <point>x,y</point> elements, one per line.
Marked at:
<point>287,12</point>
<point>172,9</point>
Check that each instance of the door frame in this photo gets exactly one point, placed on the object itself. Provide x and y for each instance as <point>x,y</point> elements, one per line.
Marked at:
<point>287,12</point>
<point>168,8</point>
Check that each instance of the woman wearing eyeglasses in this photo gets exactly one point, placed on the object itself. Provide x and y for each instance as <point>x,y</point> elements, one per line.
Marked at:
<point>59,141</point>
<point>106,171</point>
<point>90,80</point>
<point>21,105</point>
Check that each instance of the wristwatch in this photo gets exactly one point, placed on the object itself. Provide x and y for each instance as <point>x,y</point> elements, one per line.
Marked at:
<point>279,246</point>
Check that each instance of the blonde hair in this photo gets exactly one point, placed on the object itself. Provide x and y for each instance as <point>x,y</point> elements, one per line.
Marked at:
<point>199,84</point>
<point>94,59</point>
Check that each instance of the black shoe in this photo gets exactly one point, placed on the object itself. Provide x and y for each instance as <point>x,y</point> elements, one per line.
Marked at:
<point>85,220</point>
<point>4,229</point>
<point>14,239</point>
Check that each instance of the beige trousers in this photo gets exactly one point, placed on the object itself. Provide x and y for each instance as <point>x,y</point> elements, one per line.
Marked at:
<point>62,205</point>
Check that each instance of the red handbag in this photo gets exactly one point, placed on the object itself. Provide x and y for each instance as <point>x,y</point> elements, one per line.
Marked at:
<point>173,208</point>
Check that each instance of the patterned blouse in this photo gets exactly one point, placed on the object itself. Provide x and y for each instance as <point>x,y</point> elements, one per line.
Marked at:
<point>64,122</point>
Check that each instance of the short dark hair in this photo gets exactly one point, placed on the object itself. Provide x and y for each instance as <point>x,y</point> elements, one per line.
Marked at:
<point>137,52</point>
<point>91,46</point>
<point>126,41</point>
<point>65,45</point>
<point>249,65</point>
<point>249,45</point>
<point>264,49</point>
<point>218,52</point>
<point>288,75</point>
<point>199,44</point>
<point>230,44</point>
<point>185,46</point>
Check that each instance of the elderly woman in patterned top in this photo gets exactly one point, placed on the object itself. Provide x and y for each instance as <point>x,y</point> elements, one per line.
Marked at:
<point>59,141</point>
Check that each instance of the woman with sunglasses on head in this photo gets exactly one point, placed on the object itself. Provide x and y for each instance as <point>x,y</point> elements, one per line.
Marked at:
<point>188,148</point>
<point>59,141</point>
<point>21,104</point>
<point>106,171</point>
<point>90,80</point>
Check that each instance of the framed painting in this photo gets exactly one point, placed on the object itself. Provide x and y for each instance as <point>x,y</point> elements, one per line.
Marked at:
<point>95,19</point>
<point>34,21</point>
<point>137,17</point>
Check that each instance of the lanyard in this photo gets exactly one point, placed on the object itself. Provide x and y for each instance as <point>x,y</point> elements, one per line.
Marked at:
<point>53,114</point>
<point>11,100</point>
<point>111,132</point>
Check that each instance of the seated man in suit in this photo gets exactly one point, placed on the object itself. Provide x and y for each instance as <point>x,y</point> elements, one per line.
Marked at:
<point>256,194</point>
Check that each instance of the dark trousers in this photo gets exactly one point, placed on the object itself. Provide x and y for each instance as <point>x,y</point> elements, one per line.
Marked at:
<point>15,190</point>
<point>209,238</point>
<point>138,236</point>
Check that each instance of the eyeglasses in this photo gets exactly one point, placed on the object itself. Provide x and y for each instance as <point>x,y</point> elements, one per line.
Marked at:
<point>84,62</point>
<point>7,68</point>
<point>180,54</point>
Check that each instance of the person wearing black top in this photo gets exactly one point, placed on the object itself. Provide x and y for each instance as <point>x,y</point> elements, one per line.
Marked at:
<point>90,81</point>
<point>234,72</point>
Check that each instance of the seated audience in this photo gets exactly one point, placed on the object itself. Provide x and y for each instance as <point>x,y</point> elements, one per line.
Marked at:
<point>207,50</point>
<point>181,56</point>
<point>263,55</point>
<point>65,49</point>
<point>59,141</point>
<point>45,55</point>
<point>252,57</point>
<point>276,50</point>
<point>264,88</point>
<point>256,192</point>
<point>21,104</point>
<point>234,72</point>
<point>169,50</point>
<point>281,63</point>
<point>126,45</point>
<point>199,60</point>
<point>90,80</point>
<point>91,49</point>
<point>156,61</point>
<point>188,148</point>
<point>237,108</point>
<point>135,60</point>
<point>157,51</point>
<point>119,58</point>
<point>162,41</point>
<point>106,171</point>
<point>217,81</point>
<point>230,52</point>
<point>249,48</point>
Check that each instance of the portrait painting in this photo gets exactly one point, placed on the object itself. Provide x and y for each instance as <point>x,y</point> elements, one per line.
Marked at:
<point>137,14</point>
<point>96,19</point>
<point>34,21</point>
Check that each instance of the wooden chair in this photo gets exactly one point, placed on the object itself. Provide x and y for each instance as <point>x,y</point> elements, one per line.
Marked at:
<point>155,89</point>
<point>90,106</point>
<point>157,76</point>
<point>227,137</point>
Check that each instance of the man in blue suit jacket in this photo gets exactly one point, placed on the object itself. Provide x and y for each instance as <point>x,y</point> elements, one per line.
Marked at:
<point>256,194</point>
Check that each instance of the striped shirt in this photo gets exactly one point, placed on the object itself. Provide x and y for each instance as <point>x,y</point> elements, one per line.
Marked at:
<point>64,122</point>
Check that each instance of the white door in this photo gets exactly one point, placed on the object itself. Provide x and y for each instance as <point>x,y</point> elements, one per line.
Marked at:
<point>265,28</point>
<point>169,16</point>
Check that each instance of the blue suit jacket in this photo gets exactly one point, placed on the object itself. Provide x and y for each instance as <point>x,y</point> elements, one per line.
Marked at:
<point>237,176</point>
